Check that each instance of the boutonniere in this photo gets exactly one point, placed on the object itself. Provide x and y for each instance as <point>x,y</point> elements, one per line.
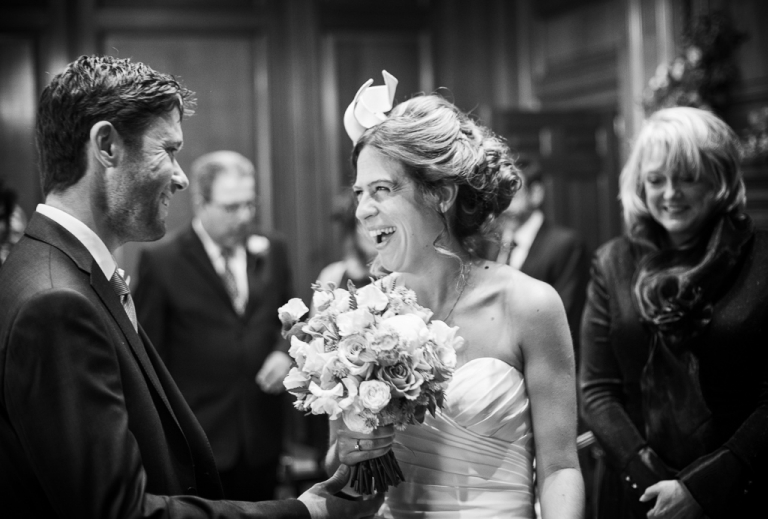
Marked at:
<point>257,245</point>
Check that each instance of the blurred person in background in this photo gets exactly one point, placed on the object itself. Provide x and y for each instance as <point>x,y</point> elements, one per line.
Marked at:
<point>208,299</point>
<point>673,369</point>
<point>531,243</point>
<point>357,249</point>
<point>12,221</point>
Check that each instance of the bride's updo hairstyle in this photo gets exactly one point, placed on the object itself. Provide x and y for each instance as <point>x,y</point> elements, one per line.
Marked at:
<point>439,145</point>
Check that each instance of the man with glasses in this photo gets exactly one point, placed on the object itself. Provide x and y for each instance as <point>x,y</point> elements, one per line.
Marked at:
<point>208,299</point>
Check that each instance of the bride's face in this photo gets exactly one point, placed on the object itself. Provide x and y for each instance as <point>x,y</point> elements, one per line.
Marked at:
<point>393,213</point>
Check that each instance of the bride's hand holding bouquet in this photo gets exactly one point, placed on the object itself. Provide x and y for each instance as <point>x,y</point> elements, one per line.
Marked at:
<point>372,358</point>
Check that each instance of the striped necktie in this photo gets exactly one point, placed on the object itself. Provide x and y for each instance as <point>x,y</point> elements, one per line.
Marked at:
<point>229,281</point>
<point>121,289</point>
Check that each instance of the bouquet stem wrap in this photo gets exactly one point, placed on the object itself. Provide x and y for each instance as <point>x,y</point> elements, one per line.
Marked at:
<point>377,474</point>
<point>371,357</point>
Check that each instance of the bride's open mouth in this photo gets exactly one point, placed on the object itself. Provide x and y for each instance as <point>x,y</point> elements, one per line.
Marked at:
<point>380,236</point>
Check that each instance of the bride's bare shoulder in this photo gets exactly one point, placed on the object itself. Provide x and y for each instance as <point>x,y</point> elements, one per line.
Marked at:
<point>520,293</point>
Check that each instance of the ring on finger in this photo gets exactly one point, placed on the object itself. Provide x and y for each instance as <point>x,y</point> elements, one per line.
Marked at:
<point>357,446</point>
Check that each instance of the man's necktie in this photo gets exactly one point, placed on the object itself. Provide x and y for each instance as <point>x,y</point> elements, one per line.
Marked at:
<point>505,251</point>
<point>229,281</point>
<point>121,289</point>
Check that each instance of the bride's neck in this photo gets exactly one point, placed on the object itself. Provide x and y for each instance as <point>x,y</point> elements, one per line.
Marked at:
<point>437,283</point>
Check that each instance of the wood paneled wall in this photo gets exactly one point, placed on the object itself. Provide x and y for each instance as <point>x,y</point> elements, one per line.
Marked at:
<point>274,76</point>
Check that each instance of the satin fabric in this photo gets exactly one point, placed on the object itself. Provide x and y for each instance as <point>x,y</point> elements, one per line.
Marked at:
<point>474,459</point>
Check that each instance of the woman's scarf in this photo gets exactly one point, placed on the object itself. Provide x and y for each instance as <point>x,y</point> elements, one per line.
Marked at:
<point>675,291</point>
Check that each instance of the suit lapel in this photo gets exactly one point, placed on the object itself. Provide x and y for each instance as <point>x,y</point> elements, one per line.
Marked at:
<point>43,228</point>
<point>201,262</point>
<point>256,280</point>
<point>532,261</point>
<point>136,340</point>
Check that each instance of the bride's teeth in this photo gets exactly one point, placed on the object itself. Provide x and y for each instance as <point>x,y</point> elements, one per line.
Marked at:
<point>379,232</point>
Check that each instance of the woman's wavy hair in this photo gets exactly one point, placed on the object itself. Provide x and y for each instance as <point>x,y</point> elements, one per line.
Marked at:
<point>674,288</point>
<point>439,145</point>
<point>682,139</point>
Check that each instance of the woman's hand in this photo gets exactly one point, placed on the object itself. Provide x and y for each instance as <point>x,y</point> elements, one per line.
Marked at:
<point>353,447</point>
<point>673,501</point>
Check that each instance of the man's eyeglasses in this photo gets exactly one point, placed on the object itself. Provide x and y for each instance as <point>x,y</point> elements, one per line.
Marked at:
<point>233,209</point>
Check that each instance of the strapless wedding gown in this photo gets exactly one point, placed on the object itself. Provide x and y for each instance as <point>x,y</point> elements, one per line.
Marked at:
<point>475,458</point>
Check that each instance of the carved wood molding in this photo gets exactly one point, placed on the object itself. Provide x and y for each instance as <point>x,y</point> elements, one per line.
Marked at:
<point>113,18</point>
<point>587,74</point>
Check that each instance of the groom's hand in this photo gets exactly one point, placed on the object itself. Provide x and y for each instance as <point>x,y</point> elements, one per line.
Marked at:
<point>273,371</point>
<point>323,504</point>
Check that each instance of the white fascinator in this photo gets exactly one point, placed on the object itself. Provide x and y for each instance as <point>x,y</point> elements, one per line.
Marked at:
<point>369,106</point>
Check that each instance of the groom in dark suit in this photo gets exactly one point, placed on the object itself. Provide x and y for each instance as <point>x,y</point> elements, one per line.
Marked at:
<point>208,300</point>
<point>91,423</point>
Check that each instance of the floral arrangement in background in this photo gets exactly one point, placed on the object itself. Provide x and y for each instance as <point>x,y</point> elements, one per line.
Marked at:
<point>704,74</point>
<point>371,357</point>
<point>754,138</point>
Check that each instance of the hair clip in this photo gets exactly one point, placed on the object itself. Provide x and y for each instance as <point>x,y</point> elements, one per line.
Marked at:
<point>369,106</point>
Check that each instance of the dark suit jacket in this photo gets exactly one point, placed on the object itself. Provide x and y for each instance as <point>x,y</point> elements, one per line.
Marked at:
<point>91,423</point>
<point>212,352</point>
<point>558,257</point>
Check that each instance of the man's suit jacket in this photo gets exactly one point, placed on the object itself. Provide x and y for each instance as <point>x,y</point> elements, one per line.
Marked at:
<point>558,257</point>
<point>91,423</point>
<point>212,352</point>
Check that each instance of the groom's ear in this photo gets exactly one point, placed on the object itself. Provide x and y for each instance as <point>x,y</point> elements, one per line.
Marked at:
<point>105,144</point>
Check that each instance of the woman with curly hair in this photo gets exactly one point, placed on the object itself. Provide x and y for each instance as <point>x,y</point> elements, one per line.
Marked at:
<point>429,180</point>
<point>673,373</point>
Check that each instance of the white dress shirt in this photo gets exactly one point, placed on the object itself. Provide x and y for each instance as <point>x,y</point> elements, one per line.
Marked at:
<point>524,237</point>
<point>85,235</point>
<point>238,262</point>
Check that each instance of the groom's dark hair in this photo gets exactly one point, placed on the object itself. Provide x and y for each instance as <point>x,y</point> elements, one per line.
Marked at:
<point>130,95</point>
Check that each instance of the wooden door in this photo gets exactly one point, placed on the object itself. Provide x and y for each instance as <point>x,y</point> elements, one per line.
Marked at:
<point>579,157</point>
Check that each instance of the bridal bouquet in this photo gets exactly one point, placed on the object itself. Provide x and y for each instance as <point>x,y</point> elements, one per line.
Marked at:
<point>371,357</point>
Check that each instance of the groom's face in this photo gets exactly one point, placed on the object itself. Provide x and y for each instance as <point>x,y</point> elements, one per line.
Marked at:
<point>228,215</point>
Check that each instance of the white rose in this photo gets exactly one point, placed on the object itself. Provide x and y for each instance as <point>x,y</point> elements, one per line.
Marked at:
<point>354,355</point>
<point>354,322</point>
<point>296,379</point>
<point>374,395</point>
<point>321,299</point>
<point>411,329</point>
<point>444,335</point>
<point>359,419</point>
<point>372,298</point>
<point>316,357</point>
<point>298,351</point>
<point>446,355</point>
<point>292,311</point>
<point>326,400</point>
<point>340,301</point>
<point>425,314</point>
